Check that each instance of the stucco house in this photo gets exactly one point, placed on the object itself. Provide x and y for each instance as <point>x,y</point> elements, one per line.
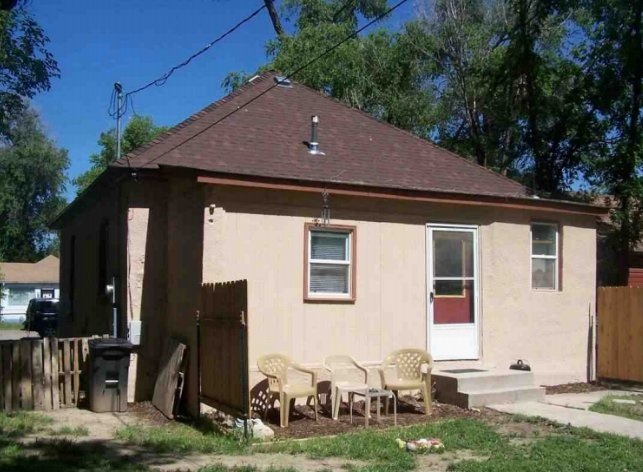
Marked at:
<point>359,238</point>
<point>22,281</point>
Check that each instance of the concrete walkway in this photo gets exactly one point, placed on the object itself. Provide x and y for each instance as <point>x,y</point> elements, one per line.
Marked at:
<point>582,401</point>
<point>571,408</point>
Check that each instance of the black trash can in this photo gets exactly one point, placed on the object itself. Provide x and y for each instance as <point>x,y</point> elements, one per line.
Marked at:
<point>108,372</point>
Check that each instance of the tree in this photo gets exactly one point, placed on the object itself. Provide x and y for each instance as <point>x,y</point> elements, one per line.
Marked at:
<point>613,67</point>
<point>140,130</point>
<point>462,45</point>
<point>26,66</point>
<point>511,92</point>
<point>32,182</point>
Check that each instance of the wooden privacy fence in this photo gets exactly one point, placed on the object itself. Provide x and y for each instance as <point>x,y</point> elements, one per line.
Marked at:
<point>620,333</point>
<point>222,338</point>
<point>41,374</point>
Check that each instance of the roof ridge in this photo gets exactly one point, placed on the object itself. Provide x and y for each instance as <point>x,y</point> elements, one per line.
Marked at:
<point>125,160</point>
<point>423,140</point>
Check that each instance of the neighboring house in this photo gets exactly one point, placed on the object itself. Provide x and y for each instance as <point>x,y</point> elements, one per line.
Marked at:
<point>413,246</point>
<point>609,270</point>
<point>23,281</point>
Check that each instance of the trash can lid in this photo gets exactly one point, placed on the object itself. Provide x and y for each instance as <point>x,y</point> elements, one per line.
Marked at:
<point>101,344</point>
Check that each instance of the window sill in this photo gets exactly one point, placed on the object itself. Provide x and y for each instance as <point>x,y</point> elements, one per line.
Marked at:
<point>330,300</point>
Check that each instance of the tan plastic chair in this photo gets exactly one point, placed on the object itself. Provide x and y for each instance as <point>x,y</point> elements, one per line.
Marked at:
<point>340,368</point>
<point>275,367</point>
<point>409,374</point>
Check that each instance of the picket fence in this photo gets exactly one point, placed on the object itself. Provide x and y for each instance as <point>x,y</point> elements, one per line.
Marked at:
<point>42,374</point>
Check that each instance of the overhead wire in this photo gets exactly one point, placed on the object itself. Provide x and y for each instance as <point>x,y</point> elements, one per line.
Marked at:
<point>117,110</point>
<point>285,78</point>
<point>164,78</point>
<point>113,109</point>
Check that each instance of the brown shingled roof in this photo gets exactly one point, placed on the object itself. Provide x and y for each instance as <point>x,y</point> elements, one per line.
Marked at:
<point>266,138</point>
<point>43,271</point>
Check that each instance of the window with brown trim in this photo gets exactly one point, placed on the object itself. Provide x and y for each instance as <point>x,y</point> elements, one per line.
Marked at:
<point>545,256</point>
<point>329,270</point>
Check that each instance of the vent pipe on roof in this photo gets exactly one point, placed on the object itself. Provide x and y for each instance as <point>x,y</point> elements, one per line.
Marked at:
<point>282,81</point>
<point>313,145</point>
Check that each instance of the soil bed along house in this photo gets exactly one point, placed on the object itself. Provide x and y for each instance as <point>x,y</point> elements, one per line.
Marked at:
<point>365,241</point>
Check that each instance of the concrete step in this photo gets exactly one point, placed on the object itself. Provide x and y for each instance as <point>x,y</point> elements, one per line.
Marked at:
<point>490,380</point>
<point>474,389</point>
<point>478,398</point>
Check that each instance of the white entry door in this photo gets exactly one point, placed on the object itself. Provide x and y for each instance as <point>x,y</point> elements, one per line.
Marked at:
<point>452,277</point>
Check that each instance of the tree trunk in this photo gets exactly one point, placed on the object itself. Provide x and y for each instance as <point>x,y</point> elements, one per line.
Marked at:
<point>274,17</point>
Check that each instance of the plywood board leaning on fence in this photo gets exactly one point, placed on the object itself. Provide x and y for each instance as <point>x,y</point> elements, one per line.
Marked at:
<point>167,381</point>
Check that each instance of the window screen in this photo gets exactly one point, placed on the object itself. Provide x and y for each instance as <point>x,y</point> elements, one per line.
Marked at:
<point>329,264</point>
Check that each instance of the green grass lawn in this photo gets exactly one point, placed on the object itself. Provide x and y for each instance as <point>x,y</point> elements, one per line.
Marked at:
<point>516,444</point>
<point>178,437</point>
<point>494,444</point>
<point>8,325</point>
<point>609,406</point>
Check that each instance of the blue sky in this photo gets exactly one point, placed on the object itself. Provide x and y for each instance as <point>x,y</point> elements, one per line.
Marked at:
<point>99,42</point>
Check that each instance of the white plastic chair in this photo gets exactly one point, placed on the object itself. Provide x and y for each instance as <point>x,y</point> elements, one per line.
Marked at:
<point>341,367</point>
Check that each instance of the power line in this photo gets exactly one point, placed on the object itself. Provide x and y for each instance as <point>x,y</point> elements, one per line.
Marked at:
<point>163,79</point>
<point>287,76</point>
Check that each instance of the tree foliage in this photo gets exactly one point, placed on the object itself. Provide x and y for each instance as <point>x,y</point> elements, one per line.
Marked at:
<point>613,68</point>
<point>26,66</point>
<point>512,95</point>
<point>32,182</point>
<point>139,131</point>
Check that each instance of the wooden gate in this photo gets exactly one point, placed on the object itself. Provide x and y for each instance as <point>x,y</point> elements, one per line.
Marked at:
<point>222,337</point>
<point>620,333</point>
<point>41,374</point>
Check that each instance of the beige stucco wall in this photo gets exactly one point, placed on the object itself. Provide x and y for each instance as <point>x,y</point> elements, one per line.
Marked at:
<point>184,272</point>
<point>164,221</point>
<point>167,237</point>
<point>137,216</point>
<point>146,289</point>
<point>259,236</point>
<point>90,312</point>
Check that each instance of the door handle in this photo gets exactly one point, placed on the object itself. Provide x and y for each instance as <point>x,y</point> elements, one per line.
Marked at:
<point>431,297</point>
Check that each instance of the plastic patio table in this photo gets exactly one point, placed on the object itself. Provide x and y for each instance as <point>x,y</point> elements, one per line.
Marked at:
<point>369,394</point>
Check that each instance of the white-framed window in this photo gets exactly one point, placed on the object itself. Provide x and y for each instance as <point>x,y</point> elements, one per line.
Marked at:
<point>20,296</point>
<point>330,263</point>
<point>544,256</point>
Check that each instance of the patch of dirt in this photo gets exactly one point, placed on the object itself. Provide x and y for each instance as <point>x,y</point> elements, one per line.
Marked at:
<point>441,462</point>
<point>297,462</point>
<point>578,387</point>
<point>302,422</point>
<point>147,413</point>
<point>523,433</point>
<point>519,432</point>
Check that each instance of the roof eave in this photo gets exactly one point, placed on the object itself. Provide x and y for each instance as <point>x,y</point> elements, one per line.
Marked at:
<point>505,201</point>
<point>110,176</point>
